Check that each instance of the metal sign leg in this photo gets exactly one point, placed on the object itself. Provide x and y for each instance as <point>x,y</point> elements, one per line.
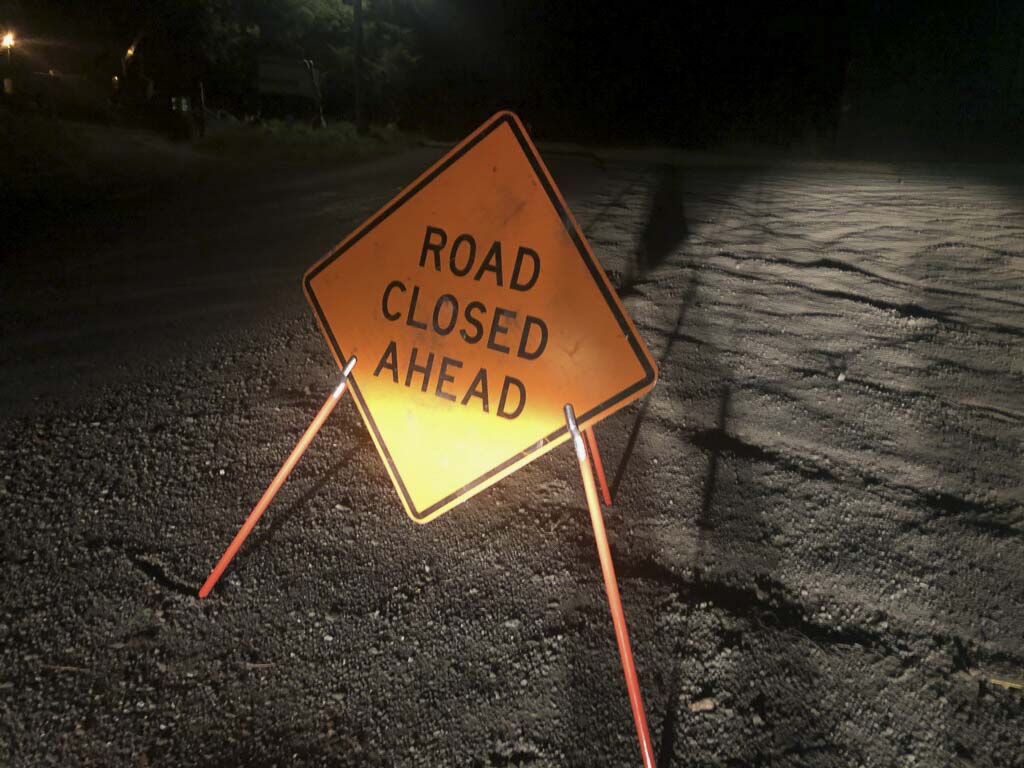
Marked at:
<point>612,588</point>
<point>602,481</point>
<point>278,481</point>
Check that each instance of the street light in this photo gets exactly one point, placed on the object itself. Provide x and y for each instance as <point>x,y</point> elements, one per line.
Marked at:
<point>8,44</point>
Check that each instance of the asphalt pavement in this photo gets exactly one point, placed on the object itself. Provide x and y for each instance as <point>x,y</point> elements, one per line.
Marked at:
<point>818,515</point>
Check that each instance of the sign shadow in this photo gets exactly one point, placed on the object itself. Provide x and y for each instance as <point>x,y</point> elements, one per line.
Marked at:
<point>665,229</point>
<point>634,433</point>
<point>265,534</point>
<point>297,507</point>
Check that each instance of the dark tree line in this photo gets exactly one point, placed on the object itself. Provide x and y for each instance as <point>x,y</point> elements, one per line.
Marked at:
<point>688,72</point>
<point>221,41</point>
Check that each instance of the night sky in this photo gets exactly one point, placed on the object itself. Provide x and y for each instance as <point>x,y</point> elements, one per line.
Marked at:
<point>698,74</point>
<point>681,71</point>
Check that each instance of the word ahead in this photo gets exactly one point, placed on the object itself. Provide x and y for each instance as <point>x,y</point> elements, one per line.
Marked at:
<point>477,310</point>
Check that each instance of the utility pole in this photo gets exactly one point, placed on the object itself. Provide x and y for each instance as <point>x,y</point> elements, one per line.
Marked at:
<point>362,121</point>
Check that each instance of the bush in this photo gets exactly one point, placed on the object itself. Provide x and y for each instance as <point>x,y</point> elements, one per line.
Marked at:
<point>276,140</point>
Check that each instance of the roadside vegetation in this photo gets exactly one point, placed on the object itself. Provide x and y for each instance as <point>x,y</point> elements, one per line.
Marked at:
<point>275,141</point>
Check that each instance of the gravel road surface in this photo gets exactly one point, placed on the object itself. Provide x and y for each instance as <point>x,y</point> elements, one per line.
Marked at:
<point>818,516</point>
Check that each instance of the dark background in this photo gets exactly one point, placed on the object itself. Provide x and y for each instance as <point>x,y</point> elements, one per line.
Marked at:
<point>853,76</point>
<point>817,517</point>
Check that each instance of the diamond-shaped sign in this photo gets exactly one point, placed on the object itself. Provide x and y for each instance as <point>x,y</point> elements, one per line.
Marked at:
<point>476,310</point>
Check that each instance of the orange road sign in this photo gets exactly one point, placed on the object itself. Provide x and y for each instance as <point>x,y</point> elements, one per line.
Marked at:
<point>477,310</point>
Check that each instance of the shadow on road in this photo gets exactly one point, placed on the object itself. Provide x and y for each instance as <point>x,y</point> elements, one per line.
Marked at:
<point>667,745</point>
<point>295,509</point>
<point>666,226</point>
<point>714,441</point>
<point>291,514</point>
<point>674,336</point>
<point>731,640</point>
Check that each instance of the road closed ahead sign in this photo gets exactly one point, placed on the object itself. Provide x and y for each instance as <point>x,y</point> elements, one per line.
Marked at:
<point>477,311</point>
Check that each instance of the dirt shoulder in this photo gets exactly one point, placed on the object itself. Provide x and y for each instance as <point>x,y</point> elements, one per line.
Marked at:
<point>59,170</point>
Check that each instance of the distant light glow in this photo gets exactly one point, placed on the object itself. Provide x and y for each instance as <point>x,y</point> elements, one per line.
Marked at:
<point>8,41</point>
<point>130,52</point>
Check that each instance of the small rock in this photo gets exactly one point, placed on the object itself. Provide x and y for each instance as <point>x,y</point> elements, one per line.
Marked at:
<point>842,377</point>
<point>704,705</point>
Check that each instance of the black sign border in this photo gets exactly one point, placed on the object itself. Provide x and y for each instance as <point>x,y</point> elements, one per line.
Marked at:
<point>649,377</point>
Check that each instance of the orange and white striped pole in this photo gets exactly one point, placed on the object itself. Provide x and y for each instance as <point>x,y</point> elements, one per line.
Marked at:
<point>278,481</point>
<point>595,455</point>
<point>612,588</point>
